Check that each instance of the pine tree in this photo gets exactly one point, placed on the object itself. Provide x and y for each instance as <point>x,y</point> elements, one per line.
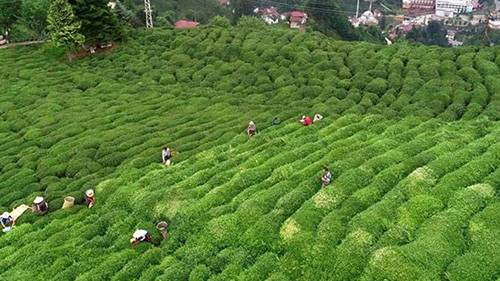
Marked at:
<point>64,27</point>
<point>99,23</point>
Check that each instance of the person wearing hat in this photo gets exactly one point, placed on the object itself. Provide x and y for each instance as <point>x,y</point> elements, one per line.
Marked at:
<point>40,206</point>
<point>305,120</point>
<point>166,154</point>
<point>251,129</point>
<point>89,198</point>
<point>317,117</point>
<point>7,221</point>
<point>141,235</point>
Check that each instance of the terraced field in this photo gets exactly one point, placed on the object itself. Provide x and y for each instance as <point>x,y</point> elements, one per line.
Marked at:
<point>411,135</point>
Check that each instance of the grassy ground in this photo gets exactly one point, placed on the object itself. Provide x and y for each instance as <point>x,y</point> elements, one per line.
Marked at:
<point>410,133</point>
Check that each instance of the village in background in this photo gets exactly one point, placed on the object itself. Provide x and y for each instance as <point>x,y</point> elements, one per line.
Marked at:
<point>459,18</point>
<point>432,22</point>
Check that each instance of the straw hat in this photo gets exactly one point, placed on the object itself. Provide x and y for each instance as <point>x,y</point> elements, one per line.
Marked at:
<point>5,215</point>
<point>89,193</point>
<point>251,123</point>
<point>38,200</point>
<point>132,240</point>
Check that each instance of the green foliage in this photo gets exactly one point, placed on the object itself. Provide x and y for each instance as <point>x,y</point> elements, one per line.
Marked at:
<point>64,27</point>
<point>409,133</point>
<point>98,23</point>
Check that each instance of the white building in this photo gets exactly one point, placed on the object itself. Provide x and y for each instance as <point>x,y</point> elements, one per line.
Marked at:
<point>450,8</point>
<point>270,15</point>
<point>494,24</point>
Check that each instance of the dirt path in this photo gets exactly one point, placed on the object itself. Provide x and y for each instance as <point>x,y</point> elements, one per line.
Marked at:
<point>27,43</point>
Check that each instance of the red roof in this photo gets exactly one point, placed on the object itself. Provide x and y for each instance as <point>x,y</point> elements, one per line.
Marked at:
<point>297,14</point>
<point>407,27</point>
<point>186,24</point>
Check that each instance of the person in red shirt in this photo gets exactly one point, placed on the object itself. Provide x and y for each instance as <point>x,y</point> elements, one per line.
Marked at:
<point>306,120</point>
<point>90,198</point>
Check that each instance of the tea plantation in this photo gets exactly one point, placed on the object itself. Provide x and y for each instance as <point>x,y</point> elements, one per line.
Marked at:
<point>411,134</point>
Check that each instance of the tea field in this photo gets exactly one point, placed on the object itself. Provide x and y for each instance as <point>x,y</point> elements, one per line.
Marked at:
<point>411,134</point>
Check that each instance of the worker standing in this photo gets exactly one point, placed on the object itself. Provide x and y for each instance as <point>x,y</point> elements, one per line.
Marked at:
<point>40,206</point>
<point>89,198</point>
<point>251,129</point>
<point>326,178</point>
<point>141,235</point>
<point>7,221</point>
<point>166,155</point>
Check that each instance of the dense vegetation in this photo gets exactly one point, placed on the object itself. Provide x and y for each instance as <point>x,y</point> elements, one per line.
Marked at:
<point>410,133</point>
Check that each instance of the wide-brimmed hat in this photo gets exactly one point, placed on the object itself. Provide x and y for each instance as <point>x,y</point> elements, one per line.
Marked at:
<point>89,192</point>
<point>38,200</point>
<point>251,123</point>
<point>132,240</point>
<point>5,215</point>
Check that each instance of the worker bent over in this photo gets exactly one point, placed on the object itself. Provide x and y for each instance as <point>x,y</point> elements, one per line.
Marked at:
<point>40,206</point>
<point>317,117</point>
<point>326,178</point>
<point>251,129</point>
<point>89,198</point>
<point>7,221</point>
<point>166,154</point>
<point>141,235</point>
<point>305,120</point>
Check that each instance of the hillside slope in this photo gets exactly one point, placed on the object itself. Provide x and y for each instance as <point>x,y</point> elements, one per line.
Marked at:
<point>410,134</point>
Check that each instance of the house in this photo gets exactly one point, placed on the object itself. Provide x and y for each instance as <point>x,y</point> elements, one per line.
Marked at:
<point>297,19</point>
<point>224,2</point>
<point>450,35</point>
<point>377,13</point>
<point>419,4</point>
<point>368,18</point>
<point>186,24</point>
<point>406,27</point>
<point>451,8</point>
<point>270,15</point>
<point>494,23</point>
<point>354,21</point>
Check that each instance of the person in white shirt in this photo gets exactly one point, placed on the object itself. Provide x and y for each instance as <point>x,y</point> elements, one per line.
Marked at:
<point>317,117</point>
<point>7,221</point>
<point>166,155</point>
<point>141,235</point>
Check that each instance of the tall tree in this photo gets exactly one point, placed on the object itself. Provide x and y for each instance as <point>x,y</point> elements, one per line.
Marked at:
<point>329,19</point>
<point>64,27</point>
<point>436,34</point>
<point>242,8</point>
<point>9,12</point>
<point>99,23</point>
<point>33,15</point>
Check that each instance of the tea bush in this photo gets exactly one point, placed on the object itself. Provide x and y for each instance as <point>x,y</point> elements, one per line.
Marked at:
<point>410,134</point>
